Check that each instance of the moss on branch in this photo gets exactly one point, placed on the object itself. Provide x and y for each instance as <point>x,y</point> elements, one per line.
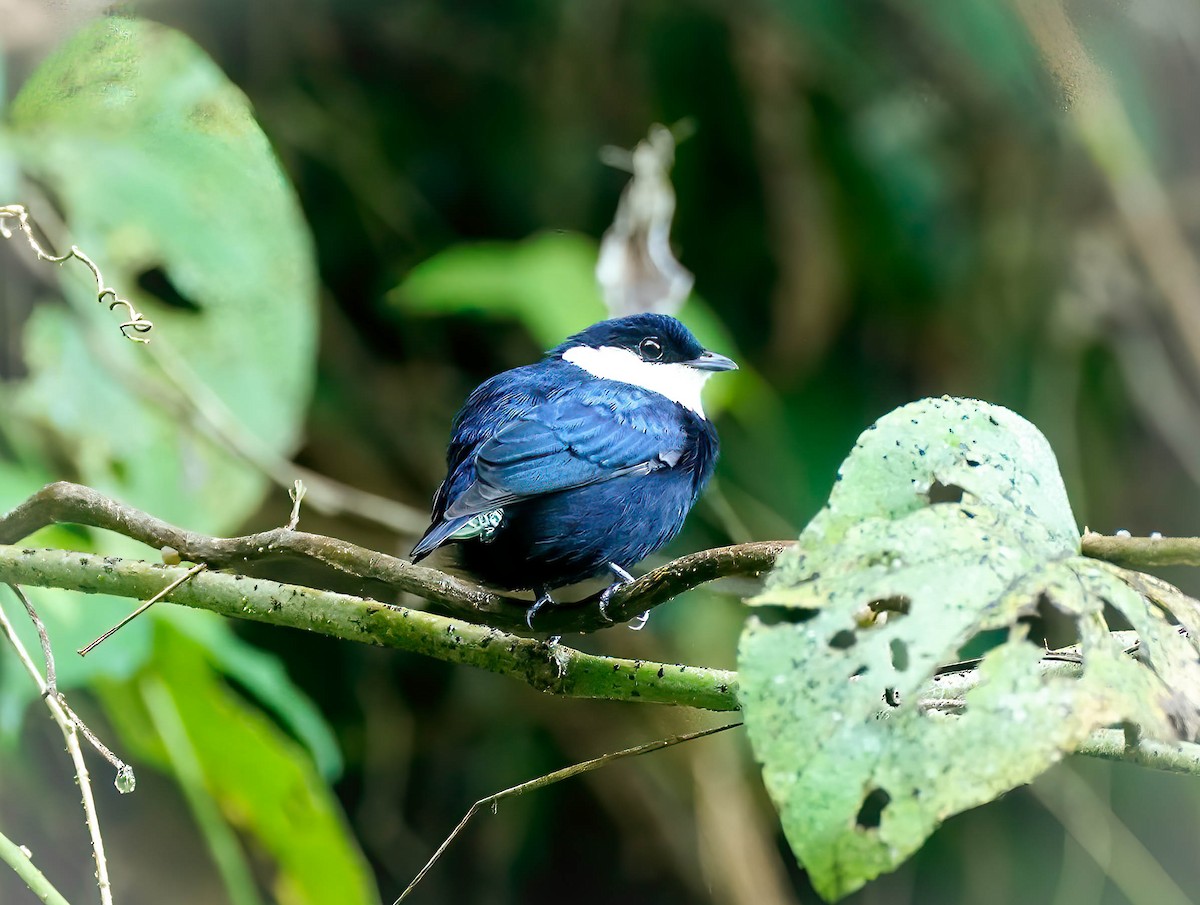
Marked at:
<point>554,668</point>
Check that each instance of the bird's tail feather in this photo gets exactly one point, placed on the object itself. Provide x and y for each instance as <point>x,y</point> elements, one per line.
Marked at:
<point>482,525</point>
<point>438,534</point>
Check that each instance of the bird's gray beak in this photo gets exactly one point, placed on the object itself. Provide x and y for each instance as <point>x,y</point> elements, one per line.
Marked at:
<point>711,361</point>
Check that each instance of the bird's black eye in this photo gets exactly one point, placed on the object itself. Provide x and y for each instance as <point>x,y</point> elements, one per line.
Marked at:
<point>650,348</point>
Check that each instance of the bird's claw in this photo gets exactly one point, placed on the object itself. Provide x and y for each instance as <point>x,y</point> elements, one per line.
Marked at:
<point>543,599</point>
<point>623,578</point>
<point>605,597</point>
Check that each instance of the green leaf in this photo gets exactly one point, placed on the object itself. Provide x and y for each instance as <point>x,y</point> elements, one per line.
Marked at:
<point>160,169</point>
<point>265,787</point>
<point>546,282</point>
<point>950,517</point>
<point>264,676</point>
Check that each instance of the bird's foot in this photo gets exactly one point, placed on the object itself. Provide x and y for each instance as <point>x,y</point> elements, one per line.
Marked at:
<point>637,623</point>
<point>623,578</point>
<point>543,599</point>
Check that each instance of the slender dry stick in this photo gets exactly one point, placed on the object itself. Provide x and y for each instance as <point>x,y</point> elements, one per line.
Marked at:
<point>71,736</point>
<point>19,860</point>
<point>298,492</point>
<point>549,779</point>
<point>181,389</point>
<point>555,669</point>
<point>125,780</point>
<point>1142,552</point>
<point>87,648</point>
<point>43,638</point>
<point>63,502</point>
<point>1092,823</point>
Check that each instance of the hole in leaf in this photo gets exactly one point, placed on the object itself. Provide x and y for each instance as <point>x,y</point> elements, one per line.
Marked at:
<point>1115,619</point>
<point>898,604</point>
<point>156,282</point>
<point>843,640</point>
<point>777,615</point>
<point>1049,625</point>
<point>50,197</point>
<point>899,654</point>
<point>982,642</point>
<point>871,812</point>
<point>945,493</point>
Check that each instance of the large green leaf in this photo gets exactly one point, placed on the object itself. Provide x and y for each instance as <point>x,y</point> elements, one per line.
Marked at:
<point>161,169</point>
<point>950,518</point>
<point>180,715</point>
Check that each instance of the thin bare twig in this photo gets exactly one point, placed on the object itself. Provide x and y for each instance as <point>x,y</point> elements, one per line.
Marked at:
<point>87,648</point>
<point>43,638</point>
<point>180,388</point>
<point>549,779</point>
<point>125,780</point>
<point>71,736</point>
<point>553,668</point>
<point>1142,552</point>
<point>137,322</point>
<point>297,493</point>
<point>64,502</point>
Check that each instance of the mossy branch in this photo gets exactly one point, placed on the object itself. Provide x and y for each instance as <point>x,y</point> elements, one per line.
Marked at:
<point>553,668</point>
<point>1142,552</point>
<point>66,503</point>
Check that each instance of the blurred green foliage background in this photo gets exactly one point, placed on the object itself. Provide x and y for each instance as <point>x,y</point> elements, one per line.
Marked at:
<point>881,201</point>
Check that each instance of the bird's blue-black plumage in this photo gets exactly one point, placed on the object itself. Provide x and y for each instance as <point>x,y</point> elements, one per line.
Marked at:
<point>587,471</point>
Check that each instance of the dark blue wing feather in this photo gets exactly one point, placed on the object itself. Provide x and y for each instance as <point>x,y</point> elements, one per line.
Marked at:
<point>592,434</point>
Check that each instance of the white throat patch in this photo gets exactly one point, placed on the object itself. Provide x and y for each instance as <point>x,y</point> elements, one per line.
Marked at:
<point>678,382</point>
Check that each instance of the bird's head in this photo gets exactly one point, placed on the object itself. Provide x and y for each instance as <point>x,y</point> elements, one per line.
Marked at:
<point>652,351</point>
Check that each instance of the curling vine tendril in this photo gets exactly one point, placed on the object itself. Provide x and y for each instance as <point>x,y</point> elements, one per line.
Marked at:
<point>133,328</point>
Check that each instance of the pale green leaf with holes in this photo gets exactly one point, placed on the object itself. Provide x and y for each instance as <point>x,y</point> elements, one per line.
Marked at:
<point>950,516</point>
